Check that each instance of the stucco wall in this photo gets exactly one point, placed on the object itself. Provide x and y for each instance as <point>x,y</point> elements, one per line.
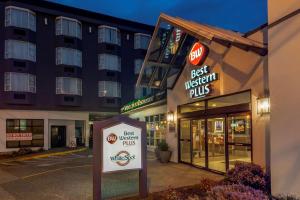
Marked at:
<point>284,59</point>
<point>238,70</point>
<point>66,118</point>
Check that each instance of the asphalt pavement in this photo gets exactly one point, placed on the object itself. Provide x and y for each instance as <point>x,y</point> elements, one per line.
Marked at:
<point>69,177</point>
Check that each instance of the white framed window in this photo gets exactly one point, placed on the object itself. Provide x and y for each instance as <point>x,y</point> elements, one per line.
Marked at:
<point>68,56</point>
<point>19,82</point>
<point>109,34</point>
<point>109,89</point>
<point>109,61</point>
<point>20,17</point>
<point>141,41</point>
<point>69,27</point>
<point>138,65</point>
<point>68,85</point>
<point>20,50</point>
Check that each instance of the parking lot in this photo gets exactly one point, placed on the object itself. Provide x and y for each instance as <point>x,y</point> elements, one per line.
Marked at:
<point>70,177</point>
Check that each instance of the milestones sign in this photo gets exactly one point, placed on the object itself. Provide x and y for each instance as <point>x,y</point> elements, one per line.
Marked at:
<point>121,148</point>
<point>119,144</point>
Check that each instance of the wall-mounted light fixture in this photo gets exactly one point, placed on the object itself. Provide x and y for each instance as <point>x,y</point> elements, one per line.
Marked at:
<point>170,117</point>
<point>263,105</point>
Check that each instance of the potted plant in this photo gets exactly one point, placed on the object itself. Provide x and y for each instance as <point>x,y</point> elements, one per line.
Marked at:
<point>164,153</point>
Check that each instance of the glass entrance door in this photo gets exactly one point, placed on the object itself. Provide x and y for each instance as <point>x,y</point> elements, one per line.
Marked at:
<point>198,142</point>
<point>185,141</point>
<point>216,144</point>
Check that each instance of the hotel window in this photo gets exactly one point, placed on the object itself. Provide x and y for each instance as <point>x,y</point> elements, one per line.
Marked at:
<point>156,129</point>
<point>69,86</point>
<point>140,92</point>
<point>68,56</point>
<point>141,41</point>
<point>109,89</point>
<point>138,65</point>
<point>16,129</point>
<point>108,34</point>
<point>19,82</point>
<point>20,17</point>
<point>22,50</point>
<point>68,27</point>
<point>109,62</point>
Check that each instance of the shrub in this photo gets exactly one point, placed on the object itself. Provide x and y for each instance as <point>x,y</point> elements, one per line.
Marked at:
<point>248,174</point>
<point>207,184</point>
<point>235,192</point>
<point>163,146</point>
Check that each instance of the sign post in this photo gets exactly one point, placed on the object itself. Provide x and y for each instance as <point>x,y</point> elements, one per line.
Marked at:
<point>119,144</point>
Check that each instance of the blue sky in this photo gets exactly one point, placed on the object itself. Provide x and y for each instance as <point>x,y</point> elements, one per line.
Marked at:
<point>238,15</point>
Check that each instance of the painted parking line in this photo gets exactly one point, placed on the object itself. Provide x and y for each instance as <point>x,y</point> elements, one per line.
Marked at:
<point>54,170</point>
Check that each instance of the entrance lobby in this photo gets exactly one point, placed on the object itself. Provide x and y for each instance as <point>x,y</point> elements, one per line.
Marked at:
<point>216,133</point>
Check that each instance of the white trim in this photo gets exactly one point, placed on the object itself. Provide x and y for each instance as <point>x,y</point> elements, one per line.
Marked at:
<point>68,18</point>
<point>109,27</point>
<point>19,8</point>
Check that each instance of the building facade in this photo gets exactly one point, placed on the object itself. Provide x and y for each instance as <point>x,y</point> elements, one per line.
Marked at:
<point>216,81</point>
<point>62,68</point>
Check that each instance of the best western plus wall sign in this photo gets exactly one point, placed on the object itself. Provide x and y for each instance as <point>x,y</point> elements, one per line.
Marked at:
<point>119,145</point>
<point>198,54</point>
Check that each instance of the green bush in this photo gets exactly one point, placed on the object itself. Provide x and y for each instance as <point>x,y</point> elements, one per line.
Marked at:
<point>163,146</point>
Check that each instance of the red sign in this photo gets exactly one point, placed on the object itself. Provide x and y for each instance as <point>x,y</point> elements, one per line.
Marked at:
<point>18,136</point>
<point>197,54</point>
<point>112,138</point>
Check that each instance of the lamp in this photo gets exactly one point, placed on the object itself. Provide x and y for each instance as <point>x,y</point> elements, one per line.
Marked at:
<point>170,117</point>
<point>263,105</point>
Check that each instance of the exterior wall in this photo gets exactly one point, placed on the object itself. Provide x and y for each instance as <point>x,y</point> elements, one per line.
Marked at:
<point>50,118</point>
<point>284,59</point>
<point>238,70</point>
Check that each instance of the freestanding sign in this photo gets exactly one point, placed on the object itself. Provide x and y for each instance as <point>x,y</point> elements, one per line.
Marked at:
<point>119,144</point>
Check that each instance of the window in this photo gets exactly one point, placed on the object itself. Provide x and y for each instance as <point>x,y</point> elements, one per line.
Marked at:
<point>110,62</point>
<point>67,56</point>
<point>20,17</point>
<point>156,129</point>
<point>19,82</point>
<point>141,41</point>
<point>17,127</point>
<point>20,50</point>
<point>140,92</point>
<point>138,65</point>
<point>68,85</point>
<point>69,27</point>
<point>109,35</point>
<point>109,89</point>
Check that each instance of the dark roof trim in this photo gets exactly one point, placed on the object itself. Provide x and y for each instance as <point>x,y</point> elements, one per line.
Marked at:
<point>284,18</point>
<point>84,15</point>
<point>247,34</point>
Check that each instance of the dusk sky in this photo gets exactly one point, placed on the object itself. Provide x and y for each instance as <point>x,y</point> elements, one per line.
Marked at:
<point>238,15</point>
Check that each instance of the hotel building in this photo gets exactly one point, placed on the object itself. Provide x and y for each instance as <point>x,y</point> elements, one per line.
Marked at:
<point>226,96</point>
<point>61,69</point>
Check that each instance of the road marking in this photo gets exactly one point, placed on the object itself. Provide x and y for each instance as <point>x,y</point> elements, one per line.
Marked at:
<point>54,170</point>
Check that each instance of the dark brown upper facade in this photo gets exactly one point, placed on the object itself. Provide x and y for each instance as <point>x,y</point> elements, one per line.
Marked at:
<point>55,57</point>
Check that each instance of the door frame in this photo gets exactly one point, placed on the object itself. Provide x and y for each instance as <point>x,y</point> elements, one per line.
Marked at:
<point>226,143</point>
<point>65,134</point>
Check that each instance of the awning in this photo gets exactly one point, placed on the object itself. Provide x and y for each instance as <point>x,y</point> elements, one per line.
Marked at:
<point>171,43</point>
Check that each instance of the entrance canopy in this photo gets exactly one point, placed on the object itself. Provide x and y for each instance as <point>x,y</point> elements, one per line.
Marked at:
<point>171,43</point>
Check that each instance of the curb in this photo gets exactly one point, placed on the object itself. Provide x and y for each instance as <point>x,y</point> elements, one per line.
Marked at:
<point>45,155</point>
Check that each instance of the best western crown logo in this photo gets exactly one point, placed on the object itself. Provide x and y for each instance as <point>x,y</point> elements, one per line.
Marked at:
<point>198,54</point>
<point>111,138</point>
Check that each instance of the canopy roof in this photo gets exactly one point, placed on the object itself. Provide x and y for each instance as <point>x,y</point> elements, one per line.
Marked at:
<point>171,43</point>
